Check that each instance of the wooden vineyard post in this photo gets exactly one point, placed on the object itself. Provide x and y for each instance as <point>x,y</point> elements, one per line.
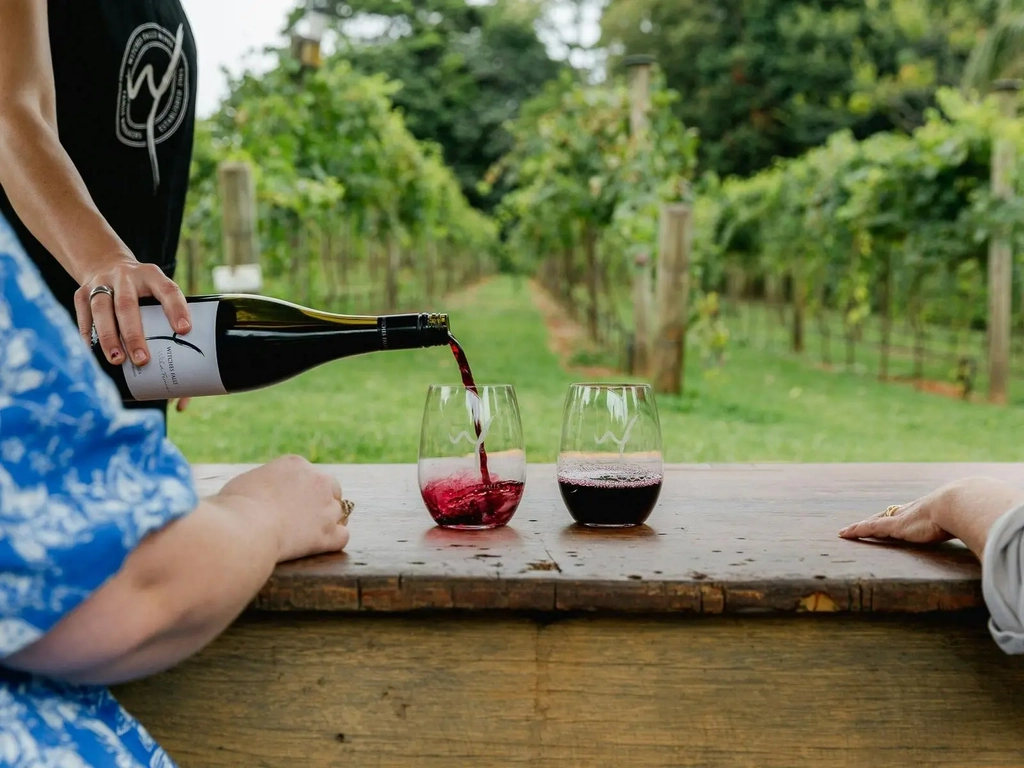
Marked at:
<point>238,194</point>
<point>640,98</point>
<point>1000,256</point>
<point>673,298</point>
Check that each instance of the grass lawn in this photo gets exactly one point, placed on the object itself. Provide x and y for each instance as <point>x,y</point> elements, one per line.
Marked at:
<point>762,406</point>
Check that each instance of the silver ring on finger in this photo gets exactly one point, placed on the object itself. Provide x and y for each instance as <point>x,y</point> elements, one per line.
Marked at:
<point>101,289</point>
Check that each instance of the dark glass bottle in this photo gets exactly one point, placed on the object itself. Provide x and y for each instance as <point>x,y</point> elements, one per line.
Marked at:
<point>240,343</point>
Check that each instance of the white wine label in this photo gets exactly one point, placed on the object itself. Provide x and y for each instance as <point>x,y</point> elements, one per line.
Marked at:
<point>179,365</point>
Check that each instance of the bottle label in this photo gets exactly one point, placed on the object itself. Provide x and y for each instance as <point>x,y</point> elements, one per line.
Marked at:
<point>179,365</point>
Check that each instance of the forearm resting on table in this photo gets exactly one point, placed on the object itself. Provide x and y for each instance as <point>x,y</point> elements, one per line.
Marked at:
<point>974,507</point>
<point>48,193</point>
<point>988,516</point>
<point>176,592</point>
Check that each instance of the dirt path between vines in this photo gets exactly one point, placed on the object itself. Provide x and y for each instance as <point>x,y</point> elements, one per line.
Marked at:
<point>565,336</point>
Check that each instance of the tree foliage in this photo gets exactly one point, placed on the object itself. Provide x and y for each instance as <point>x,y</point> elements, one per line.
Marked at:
<point>764,80</point>
<point>330,152</point>
<point>894,223</point>
<point>465,69</point>
<point>574,163</point>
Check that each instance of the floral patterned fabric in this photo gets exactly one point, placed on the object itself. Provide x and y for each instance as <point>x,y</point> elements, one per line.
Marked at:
<point>82,482</point>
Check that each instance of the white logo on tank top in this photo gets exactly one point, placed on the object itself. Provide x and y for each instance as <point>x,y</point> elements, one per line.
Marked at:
<point>153,90</point>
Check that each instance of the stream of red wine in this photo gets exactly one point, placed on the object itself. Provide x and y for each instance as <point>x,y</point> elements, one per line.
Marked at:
<point>469,383</point>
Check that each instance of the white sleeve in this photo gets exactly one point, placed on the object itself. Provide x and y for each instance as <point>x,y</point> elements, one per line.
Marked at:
<point>1002,581</point>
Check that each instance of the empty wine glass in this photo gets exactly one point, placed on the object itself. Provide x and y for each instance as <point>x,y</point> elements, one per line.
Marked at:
<point>472,460</point>
<point>610,466</point>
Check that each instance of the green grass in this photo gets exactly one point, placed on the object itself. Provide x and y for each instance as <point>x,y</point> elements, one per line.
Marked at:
<point>764,405</point>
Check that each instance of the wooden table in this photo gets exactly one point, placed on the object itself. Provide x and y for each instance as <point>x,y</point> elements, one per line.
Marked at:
<point>735,629</point>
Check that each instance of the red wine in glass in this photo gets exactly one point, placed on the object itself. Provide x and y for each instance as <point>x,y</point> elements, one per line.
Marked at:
<point>465,502</point>
<point>608,500</point>
<point>610,466</point>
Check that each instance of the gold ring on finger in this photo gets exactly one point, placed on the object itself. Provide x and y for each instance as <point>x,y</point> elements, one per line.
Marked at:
<point>891,510</point>
<point>346,510</point>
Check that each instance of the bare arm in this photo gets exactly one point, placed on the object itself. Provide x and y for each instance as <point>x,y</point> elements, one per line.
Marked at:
<point>965,509</point>
<point>971,509</point>
<point>184,585</point>
<point>51,199</point>
<point>42,183</point>
<point>988,516</point>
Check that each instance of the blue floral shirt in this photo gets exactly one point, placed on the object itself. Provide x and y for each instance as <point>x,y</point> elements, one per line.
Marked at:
<point>82,482</point>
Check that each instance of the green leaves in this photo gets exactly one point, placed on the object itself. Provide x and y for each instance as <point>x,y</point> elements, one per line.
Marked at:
<point>574,161</point>
<point>774,79</point>
<point>323,144</point>
<point>464,69</point>
<point>848,209</point>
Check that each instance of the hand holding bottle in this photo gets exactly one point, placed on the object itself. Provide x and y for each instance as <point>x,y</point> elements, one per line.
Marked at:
<point>305,505</point>
<point>109,300</point>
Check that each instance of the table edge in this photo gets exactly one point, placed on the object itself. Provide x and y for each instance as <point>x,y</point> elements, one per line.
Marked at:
<point>399,594</point>
<point>296,591</point>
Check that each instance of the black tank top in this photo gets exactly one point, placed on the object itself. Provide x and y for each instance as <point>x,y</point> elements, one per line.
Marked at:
<point>125,76</point>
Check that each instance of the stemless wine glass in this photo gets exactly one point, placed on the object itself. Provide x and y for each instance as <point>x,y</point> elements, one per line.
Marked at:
<point>610,465</point>
<point>472,462</point>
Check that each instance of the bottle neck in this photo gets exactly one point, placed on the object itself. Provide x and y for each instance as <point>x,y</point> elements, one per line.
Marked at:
<point>261,316</point>
<point>413,331</point>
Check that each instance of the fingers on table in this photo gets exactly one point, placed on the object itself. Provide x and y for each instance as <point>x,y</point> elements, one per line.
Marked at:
<point>882,525</point>
<point>873,528</point>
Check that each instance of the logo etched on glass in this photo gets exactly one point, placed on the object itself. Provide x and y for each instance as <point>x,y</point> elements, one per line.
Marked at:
<point>485,425</point>
<point>475,442</point>
<point>620,443</point>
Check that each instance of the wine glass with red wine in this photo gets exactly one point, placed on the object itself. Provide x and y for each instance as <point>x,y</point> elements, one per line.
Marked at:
<point>472,462</point>
<point>610,465</point>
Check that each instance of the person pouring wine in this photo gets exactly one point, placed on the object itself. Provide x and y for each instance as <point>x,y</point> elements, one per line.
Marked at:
<point>96,134</point>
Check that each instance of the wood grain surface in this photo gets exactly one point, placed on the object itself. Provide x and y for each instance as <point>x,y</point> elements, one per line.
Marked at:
<point>723,539</point>
<point>493,689</point>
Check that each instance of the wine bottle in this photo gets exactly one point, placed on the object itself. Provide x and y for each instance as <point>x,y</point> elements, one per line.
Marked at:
<point>240,343</point>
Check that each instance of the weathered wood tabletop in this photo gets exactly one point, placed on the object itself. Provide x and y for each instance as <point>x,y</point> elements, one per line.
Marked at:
<point>630,649</point>
<point>734,538</point>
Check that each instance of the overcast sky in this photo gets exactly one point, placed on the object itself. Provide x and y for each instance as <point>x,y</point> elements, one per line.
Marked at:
<point>226,30</point>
